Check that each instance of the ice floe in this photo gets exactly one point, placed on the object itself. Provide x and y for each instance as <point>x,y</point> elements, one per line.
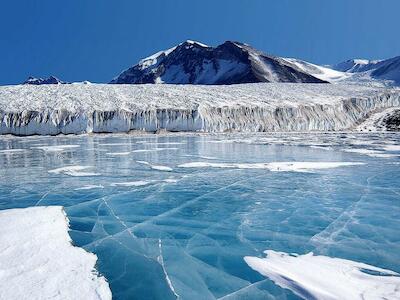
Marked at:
<point>321,277</point>
<point>38,260</point>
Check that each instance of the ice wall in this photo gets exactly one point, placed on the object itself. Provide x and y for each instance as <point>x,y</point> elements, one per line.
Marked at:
<point>254,116</point>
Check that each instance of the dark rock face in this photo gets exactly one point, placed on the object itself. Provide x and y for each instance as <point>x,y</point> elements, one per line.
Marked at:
<point>40,81</point>
<point>392,121</point>
<point>228,63</point>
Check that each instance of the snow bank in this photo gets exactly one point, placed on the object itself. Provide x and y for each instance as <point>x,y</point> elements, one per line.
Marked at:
<point>38,261</point>
<point>321,277</point>
<point>273,166</point>
<point>27,110</point>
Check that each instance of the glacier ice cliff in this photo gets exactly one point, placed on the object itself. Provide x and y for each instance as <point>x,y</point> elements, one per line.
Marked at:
<point>100,108</point>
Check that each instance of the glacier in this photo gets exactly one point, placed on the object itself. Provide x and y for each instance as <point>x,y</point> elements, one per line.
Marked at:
<point>258,107</point>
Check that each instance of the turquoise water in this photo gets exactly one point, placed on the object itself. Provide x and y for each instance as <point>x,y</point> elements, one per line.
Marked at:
<point>163,233</point>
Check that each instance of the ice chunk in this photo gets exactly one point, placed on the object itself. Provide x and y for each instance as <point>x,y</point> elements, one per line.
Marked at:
<point>38,260</point>
<point>320,277</point>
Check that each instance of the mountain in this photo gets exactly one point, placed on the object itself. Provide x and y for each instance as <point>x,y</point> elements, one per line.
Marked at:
<point>40,81</point>
<point>356,65</point>
<point>229,63</point>
<point>388,69</point>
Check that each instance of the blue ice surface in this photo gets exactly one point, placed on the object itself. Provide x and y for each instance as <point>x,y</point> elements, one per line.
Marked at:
<point>184,234</point>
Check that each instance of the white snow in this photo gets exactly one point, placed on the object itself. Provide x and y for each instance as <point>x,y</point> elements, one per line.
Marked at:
<point>118,153</point>
<point>272,166</point>
<point>153,150</point>
<point>73,171</point>
<point>362,151</point>
<point>317,71</point>
<point>10,151</point>
<point>321,277</point>
<point>45,109</point>
<point>132,183</point>
<point>155,167</point>
<point>38,260</point>
<point>375,122</point>
<point>371,152</point>
<point>392,148</point>
<point>90,187</point>
<point>57,148</point>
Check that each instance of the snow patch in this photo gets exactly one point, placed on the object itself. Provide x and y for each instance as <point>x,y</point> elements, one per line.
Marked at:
<point>90,187</point>
<point>73,171</point>
<point>38,260</point>
<point>58,148</point>
<point>272,166</point>
<point>155,167</point>
<point>117,153</point>
<point>133,183</point>
<point>320,277</point>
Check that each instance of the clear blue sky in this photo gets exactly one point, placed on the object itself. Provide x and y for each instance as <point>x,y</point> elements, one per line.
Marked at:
<point>94,40</point>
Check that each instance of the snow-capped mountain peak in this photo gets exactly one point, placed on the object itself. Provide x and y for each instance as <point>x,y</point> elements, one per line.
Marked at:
<point>232,62</point>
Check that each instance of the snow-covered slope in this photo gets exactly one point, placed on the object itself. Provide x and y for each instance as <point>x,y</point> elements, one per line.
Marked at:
<point>54,109</point>
<point>356,65</point>
<point>40,81</point>
<point>229,63</point>
<point>38,260</point>
<point>317,71</point>
<point>386,70</point>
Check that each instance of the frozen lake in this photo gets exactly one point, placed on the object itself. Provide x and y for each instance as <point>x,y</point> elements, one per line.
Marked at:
<point>174,216</point>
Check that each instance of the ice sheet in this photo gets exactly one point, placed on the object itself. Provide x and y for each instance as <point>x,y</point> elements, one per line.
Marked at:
<point>207,219</point>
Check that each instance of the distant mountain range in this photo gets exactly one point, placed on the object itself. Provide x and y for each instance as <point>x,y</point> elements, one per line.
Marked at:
<point>233,62</point>
<point>40,81</point>
<point>388,69</point>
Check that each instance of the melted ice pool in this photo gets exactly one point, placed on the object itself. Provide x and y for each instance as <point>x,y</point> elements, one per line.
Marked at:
<point>174,216</point>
